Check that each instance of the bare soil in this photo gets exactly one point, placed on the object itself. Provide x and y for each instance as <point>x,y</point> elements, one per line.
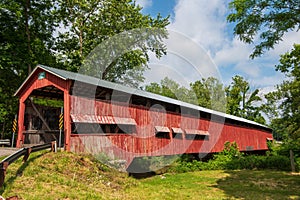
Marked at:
<point>4,151</point>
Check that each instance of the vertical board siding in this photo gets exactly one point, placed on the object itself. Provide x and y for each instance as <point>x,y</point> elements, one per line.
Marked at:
<point>145,143</point>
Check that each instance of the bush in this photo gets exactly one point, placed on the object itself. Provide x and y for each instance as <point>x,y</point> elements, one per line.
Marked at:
<point>260,162</point>
<point>231,159</point>
<point>297,163</point>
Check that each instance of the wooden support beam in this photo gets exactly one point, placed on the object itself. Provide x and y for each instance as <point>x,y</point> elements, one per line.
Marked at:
<point>20,123</point>
<point>67,116</point>
<point>39,114</point>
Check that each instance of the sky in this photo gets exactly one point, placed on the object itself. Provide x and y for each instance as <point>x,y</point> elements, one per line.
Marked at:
<point>202,44</point>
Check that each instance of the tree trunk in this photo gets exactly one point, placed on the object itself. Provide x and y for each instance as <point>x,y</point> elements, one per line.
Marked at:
<point>106,70</point>
<point>3,129</point>
<point>292,160</point>
<point>81,43</point>
<point>26,10</point>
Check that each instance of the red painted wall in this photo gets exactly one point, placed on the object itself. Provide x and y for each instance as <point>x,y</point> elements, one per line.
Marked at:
<point>145,143</point>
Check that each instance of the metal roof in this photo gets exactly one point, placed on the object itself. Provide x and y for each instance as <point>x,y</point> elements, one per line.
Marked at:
<point>67,75</point>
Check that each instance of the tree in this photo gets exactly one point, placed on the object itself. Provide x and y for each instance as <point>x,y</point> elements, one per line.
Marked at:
<point>202,93</point>
<point>210,93</point>
<point>26,38</point>
<point>90,23</point>
<point>172,89</point>
<point>286,99</point>
<point>270,19</point>
<point>27,28</point>
<point>240,101</point>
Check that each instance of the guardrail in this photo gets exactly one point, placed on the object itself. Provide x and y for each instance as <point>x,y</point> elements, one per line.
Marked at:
<point>5,142</point>
<point>22,152</point>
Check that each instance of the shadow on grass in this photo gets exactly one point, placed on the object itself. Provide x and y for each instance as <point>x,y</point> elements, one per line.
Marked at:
<point>19,171</point>
<point>251,184</point>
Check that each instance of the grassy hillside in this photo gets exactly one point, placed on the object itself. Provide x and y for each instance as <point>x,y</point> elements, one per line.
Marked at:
<point>69,176</point>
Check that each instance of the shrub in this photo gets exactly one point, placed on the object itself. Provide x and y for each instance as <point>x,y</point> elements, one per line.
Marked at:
<point>231,159</point>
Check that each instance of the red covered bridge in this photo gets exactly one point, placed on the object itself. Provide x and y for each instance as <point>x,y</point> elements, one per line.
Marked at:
<point>122,122</point>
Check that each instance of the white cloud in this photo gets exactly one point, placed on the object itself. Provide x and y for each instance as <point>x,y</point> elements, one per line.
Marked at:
<point>285,45</point>
<point>204,23</point>
<point>185,58</point>
<point>201,20</point>
<point>232,52</point>
<point>267,81</point>
<point>196,33</point>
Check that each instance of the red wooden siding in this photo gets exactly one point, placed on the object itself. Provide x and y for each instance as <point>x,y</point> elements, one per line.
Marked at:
<point>145,143</point>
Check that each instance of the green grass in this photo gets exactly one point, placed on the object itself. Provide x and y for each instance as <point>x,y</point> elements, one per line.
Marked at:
<point>244,184</point>
<point>69,176</point>
<point>64,176</point>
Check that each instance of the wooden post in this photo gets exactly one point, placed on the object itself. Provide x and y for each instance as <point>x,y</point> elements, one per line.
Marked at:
<point>60,123</point>
<point>20,123</point>
<point>14,131</point>
<point>67,120</point>
<point>292,160</point>
<point>3,173</point>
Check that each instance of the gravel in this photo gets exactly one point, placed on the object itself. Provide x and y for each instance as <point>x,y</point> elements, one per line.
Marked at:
<point>7,151</point>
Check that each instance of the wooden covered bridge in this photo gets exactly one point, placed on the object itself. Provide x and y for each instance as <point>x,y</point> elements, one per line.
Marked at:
<point>122,122</point>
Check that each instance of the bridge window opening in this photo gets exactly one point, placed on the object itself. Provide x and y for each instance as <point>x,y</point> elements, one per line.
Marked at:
<point>194,134</point>
<point>162,132</point>
<point>86,124</point>
<point>92,128</point>
<point>177,133</point>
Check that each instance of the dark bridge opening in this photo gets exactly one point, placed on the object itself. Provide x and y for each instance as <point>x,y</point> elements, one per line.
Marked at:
<point>42,114</point>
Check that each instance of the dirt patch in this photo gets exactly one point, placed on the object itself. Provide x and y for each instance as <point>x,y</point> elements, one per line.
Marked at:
<point>7,151</point>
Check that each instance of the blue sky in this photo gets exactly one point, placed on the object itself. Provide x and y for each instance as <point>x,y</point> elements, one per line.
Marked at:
<point>203,22</point>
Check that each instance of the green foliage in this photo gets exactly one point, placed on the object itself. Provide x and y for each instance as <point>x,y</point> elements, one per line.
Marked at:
<point>260,162</point>
<point>26,38</point>
<point>241,101</point>
<point>283,104</point>
<point>172,89</point>
<point>48,102</point>
<point>90,23</point>
<point>223,159</point>
<point>270,19</point>
<point>231,150</point>
<point>231,159</point>
<point>207,93</point>
<point>235,99</point>
<point>210,93</point>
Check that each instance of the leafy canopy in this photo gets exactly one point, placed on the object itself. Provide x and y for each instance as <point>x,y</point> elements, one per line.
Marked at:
<point>172,89</point>
<point>241,101</point>
<point>286,100</point>
<point>26,38</point>
<point>88,24</point>
<point>267,20</point>
<point>235,99</point>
